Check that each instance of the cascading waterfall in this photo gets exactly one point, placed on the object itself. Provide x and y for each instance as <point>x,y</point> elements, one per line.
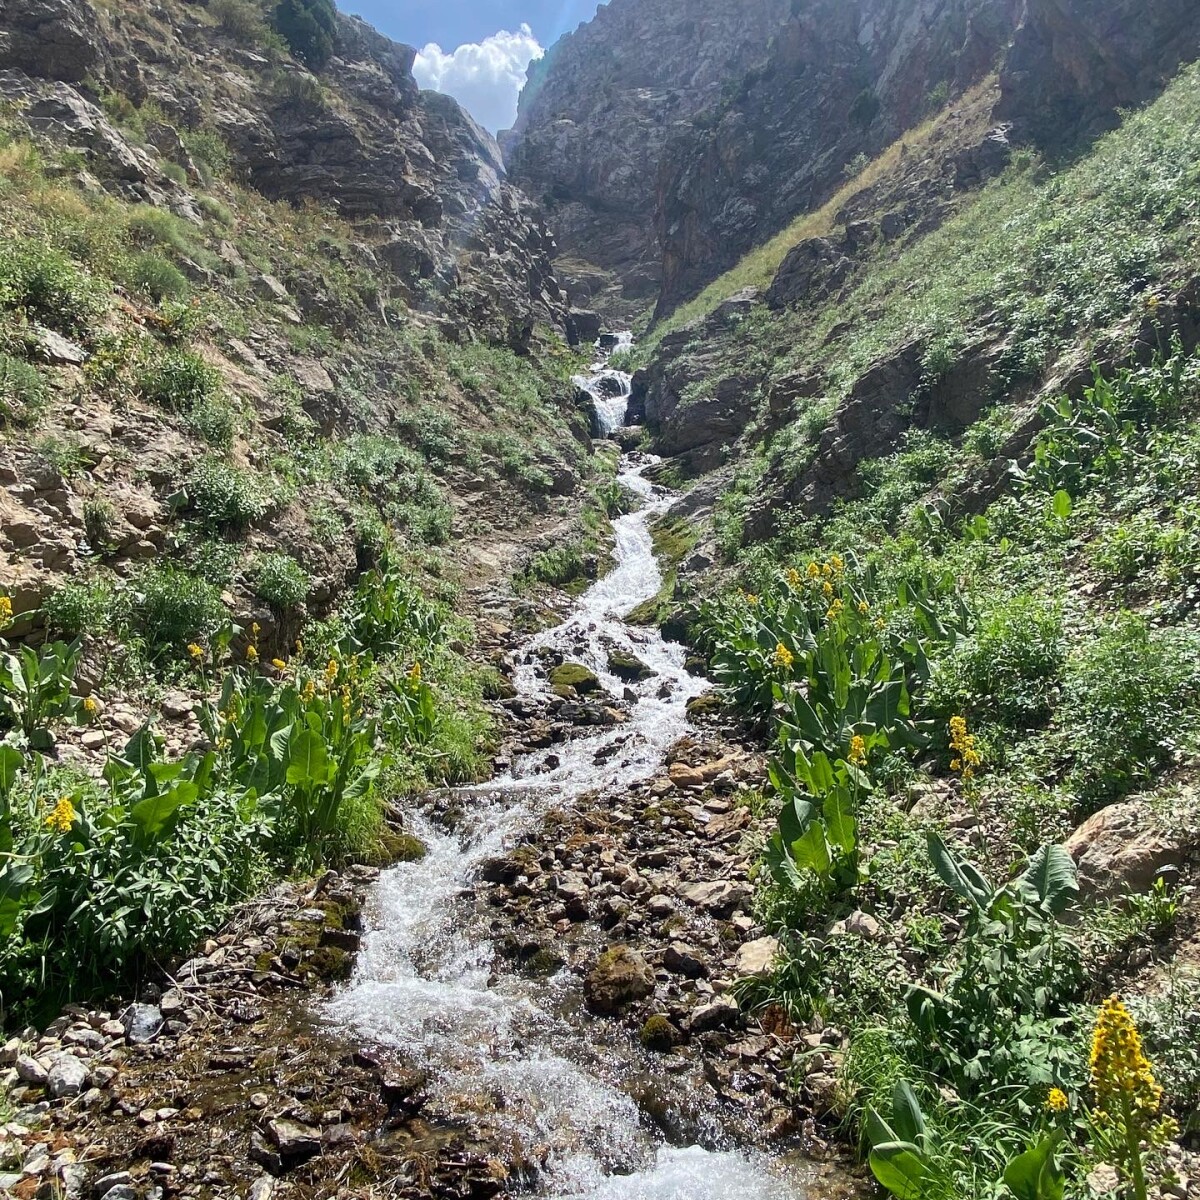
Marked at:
<point>424,982</point>
<point>608,388</point>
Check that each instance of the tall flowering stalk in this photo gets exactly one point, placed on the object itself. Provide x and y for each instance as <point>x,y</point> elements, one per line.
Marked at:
<point>1126,1098</point>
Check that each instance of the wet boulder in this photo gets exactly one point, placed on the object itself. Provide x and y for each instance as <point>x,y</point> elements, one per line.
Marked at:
<point>620,977</point>
<point>575,676</point>
<point>627,667</point>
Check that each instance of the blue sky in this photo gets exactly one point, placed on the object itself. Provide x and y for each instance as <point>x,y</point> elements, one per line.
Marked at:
<point>476,50</point>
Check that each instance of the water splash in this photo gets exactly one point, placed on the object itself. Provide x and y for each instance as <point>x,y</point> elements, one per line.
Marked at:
<point>424,982</point>
<point>609,389</point>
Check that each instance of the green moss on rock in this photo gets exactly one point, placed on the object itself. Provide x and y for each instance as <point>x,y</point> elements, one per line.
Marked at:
<point>659,1034</point>
<point>574,675</point>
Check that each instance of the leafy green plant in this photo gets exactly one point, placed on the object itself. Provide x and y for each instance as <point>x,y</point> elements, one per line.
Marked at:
<point>223,495</point>
<point>22,390</point>
<point>47,287</point>
<point>81,608</point>
<point>151,275</point>
<point>179,380</point>
<point>35,689</point>
<point>170,607</point>
<point>281,581</point>
<point>310,29</point>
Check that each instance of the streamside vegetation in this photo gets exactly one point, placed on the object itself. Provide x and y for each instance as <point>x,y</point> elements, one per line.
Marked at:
<point>300,763</point>
<point>949,692</point>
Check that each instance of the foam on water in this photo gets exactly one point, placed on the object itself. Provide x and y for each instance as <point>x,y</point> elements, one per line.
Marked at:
<point>423,981</point>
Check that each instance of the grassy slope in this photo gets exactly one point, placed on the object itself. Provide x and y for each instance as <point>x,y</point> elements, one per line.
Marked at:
<point>1068,641</point>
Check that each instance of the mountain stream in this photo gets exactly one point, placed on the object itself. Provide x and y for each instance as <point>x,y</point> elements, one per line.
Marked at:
<point>425,982</point>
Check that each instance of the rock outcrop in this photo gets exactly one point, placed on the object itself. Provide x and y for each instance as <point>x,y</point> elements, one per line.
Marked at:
<point>842,80</point>
<point>599,109</point>
<point>1075,63</point>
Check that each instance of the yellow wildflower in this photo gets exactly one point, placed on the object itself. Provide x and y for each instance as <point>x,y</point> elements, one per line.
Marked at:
<point>837,564</point>
<point>279,664</point>
<point>784,657</point>
<point>91,705</point>
<point>310,690</point>
<point>814,571</point>
<point>827,589</point>
<point>858,750</point>
<point>827,570</point>
<point>62,816</point>
<point>1120,1071</point>
<point>863,608</point>
<point>834,611</point>
<point>966,757</point>
<point>751,598</point>
<point>251,654</point>
<point>331,672</point>
<point>255,629</point>
<point>414,676</point>
<point>196,651</point>
<point>6,610</point>
<point>299,646</point>
<point>793,577</point>
<point>1056,1101</point>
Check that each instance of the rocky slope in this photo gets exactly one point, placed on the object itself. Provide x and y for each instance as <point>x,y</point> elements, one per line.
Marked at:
<point>599,110</point>
<point>341,250</point>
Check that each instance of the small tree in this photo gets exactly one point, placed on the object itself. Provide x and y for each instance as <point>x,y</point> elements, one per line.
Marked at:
<point>310,29</point>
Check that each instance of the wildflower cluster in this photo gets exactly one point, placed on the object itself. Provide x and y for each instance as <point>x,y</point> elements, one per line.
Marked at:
<point>252,648</point>
<point>91,705</point>
<point>195,652</point>
<point>62,816</point>
<point>6,611</point>
<point>1056,1101</point>
<point>966,758</point>
<point>783,657</point>
<point>858,750</point>
<point>1120,1071</point>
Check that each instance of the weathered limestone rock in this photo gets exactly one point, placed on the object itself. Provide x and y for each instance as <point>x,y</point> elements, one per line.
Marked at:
<point>1120,849</point>
<point>620,977</point>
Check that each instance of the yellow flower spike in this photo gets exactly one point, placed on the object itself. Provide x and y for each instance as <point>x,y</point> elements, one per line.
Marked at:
<point>863,608</point>
<point>784,658</point>
<point>837,564</point>
<point>814,571</point>
<point>6,610</point>
<point>793,577</point>
<point>858,750</point>
<point>62,816</point>
<point>966,757</point>
<point>331,672</point>
<point>827,589</point>
<point>1119,1069</point>
<point>91,705</point>
<point>279,664</point>
<point>751,598</point>
<point>251,654</point>
<point>255,630</point>
<point>1056,1101</point>
<point>310,690</point>
<point>299,646</point>
<point>196,651</point>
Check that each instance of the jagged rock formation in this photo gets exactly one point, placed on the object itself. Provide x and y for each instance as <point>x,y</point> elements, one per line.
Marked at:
<point>1074,63</point>
<point>841,80</point>
<point>363,138</point>
<point>599,109</point>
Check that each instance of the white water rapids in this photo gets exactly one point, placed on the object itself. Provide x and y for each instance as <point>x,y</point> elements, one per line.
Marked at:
<point>497,1044</point>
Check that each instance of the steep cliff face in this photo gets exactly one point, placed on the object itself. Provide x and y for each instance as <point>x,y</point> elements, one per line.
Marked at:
<point>1075,63</point>
<point>362,138</point>
<point>843,79</point>
<point>600,108</point>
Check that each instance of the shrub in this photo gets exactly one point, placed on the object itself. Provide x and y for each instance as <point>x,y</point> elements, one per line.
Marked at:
<point>1009,669</point>
<point>151,275</point>
<point>1125,698</point>
<point>215,420</point>
<point>47,286</point>
<point>22,390</point>
<point>222,494</point>
<point>179,380</point>
<point>208,151</point>
<point>281,581</point>
<point>214,208</point>
<point>85,607</point>
<point>309,27</point>
<point>99,517</point>
<point>240,19</point>
<point>171,607</point>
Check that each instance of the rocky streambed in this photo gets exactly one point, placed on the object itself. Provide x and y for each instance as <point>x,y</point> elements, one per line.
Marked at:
<point>542,1004</point>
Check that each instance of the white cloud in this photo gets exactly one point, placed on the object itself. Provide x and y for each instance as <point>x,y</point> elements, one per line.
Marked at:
<point>484,77</point>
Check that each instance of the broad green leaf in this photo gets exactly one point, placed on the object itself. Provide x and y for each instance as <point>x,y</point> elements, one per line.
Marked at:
<point>1062,504</point>
<point>14,880</point>
<point>958,875</point>
<point>155,813</point>
<point>1051,879</point>
<point>900,1168</point>
<point>11,762</point>
<point>907,1117</point>
<point>307,759</point>
<point>1036,1175</point>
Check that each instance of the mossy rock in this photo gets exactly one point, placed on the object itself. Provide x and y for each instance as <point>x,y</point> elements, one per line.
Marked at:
<point>620,977</point>
<point>699,706</point>
<point>574,675</point>
<point>543,963</point>
<point>328,963</point>
<point>402,847</point>
<point>628,666</point>
<point>659,1035</point>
